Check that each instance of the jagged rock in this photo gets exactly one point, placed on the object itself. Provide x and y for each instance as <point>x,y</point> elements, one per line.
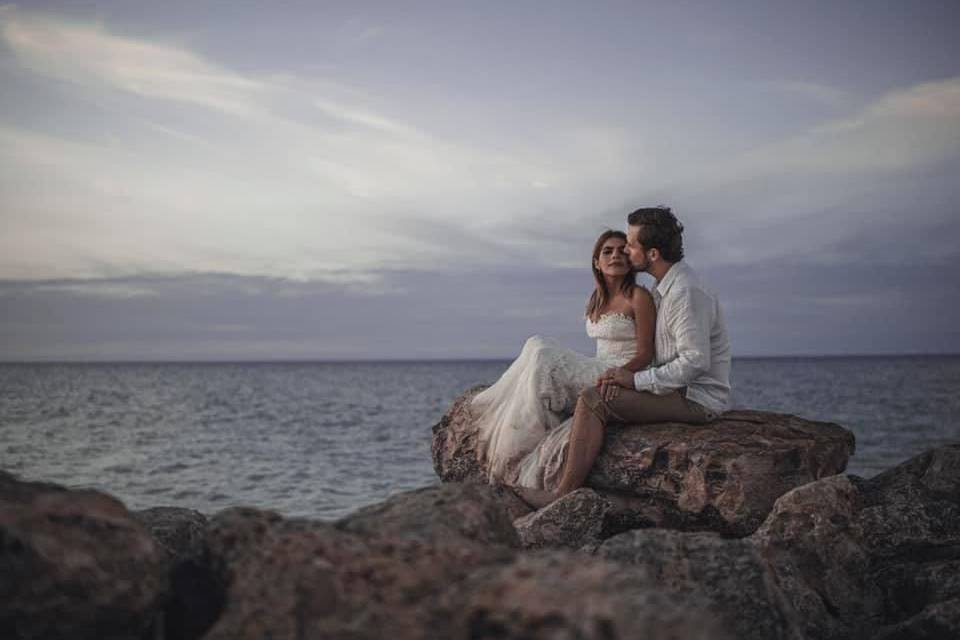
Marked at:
<point>575,520</point>
<point>565,594</point>
<point>194,600</point>
<point>74,564</point>
<point>381,571</point>
<point>724,476</point>
<point>814,545</point>
<point>729,574</point>
<point>912,511</point>
<point>911,524</point>
<point>858,558</point>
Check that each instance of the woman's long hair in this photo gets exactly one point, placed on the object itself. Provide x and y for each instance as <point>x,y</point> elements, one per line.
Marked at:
<point>600,295</point>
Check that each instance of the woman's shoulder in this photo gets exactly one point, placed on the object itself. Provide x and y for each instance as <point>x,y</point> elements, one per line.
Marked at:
<point>640,294</point>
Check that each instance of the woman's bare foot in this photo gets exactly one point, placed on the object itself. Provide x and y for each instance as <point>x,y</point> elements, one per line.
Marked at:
<point>536,498</point>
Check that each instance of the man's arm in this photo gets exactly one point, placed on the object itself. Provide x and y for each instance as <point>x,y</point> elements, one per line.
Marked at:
<point>689,319</point>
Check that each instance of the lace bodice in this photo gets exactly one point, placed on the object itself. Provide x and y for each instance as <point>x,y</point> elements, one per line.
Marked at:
<point>615,335</point>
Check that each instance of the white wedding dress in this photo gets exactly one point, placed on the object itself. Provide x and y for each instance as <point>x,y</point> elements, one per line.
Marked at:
<point>524,419</point>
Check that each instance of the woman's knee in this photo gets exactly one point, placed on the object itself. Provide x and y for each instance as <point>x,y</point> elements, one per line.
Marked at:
<point>591,400</point>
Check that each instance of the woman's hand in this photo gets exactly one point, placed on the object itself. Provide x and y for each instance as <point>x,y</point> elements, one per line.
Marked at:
<point>611,380</point>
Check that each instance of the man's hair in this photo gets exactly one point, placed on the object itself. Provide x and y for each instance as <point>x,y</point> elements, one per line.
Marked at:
<point>659,229</point>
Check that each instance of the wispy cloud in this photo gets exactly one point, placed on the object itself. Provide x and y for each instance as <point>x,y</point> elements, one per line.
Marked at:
<point>88,53</point>
<point>902,129</point>
<point>198,167</point>
<point>286,180</point>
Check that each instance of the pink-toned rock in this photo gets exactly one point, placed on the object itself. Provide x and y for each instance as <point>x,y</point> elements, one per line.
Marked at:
<point>478,512</point>
<point>724,476</point>
<point>379,572</point>
<point>74,564</point>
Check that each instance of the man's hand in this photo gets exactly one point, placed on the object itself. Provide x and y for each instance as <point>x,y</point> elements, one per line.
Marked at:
<point>612,380</point>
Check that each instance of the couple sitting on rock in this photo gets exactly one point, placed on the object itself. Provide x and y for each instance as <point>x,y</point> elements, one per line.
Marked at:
<point>662,356</point>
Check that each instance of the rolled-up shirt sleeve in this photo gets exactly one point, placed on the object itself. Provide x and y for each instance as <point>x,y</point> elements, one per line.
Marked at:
<point>689,319</point>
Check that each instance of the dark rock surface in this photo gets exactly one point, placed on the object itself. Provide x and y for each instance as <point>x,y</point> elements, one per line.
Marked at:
<point>564,594</point>
<point>178,532</point>
<point>872,558</point>
<point>814,545</point>
<point>74,564</point>
<point>911,524</point>
<point>724,476</point>
<point>727,574</point>
<point>195,598</point>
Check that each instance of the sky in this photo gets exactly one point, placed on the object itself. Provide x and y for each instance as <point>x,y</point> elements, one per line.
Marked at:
<point>382,180</point>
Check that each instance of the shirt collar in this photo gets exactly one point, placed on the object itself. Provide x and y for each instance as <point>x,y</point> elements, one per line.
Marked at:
<point>670,277</point>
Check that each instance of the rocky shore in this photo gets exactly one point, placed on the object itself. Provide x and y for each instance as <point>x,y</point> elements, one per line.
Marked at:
<point>746,528</point>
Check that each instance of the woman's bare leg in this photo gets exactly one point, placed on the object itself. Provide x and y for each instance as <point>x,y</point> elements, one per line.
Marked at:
<point>586,439</point>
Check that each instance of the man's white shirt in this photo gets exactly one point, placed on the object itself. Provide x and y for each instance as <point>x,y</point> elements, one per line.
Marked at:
<point>692,348</point>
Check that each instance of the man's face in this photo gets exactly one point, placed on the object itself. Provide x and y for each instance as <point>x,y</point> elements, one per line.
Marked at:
<point>635,250</point>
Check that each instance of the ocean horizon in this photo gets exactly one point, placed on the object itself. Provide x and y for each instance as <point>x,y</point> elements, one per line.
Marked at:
<point>322,438</point>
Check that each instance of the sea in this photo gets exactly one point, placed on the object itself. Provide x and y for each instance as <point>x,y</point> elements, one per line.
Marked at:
<point>321,439</point>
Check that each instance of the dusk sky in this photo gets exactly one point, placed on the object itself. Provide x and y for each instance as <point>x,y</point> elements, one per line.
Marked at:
<point>325,180</point>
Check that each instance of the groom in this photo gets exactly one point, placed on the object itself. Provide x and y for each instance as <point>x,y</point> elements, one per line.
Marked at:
<point>690,379</point>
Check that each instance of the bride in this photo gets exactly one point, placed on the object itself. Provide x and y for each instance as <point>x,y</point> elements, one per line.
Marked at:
<point>523,420</point>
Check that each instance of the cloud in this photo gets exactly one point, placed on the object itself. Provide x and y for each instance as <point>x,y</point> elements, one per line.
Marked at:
<point>87,53</point>
<point>181,164</point>
<point>771,309</point>
<point>903,129</point>
<point>94,289</point>
<point>271,174</point>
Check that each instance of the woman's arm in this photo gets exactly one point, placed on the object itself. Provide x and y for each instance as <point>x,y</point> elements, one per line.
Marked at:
<point>645,321</point>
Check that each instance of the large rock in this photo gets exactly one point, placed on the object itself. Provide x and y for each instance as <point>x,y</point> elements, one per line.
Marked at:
<point>478,512</point>
<point>813,542</point>
<point>74,564</point>
<point>380,571</point>
<point>724,476</point>
<point>727,574</point>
